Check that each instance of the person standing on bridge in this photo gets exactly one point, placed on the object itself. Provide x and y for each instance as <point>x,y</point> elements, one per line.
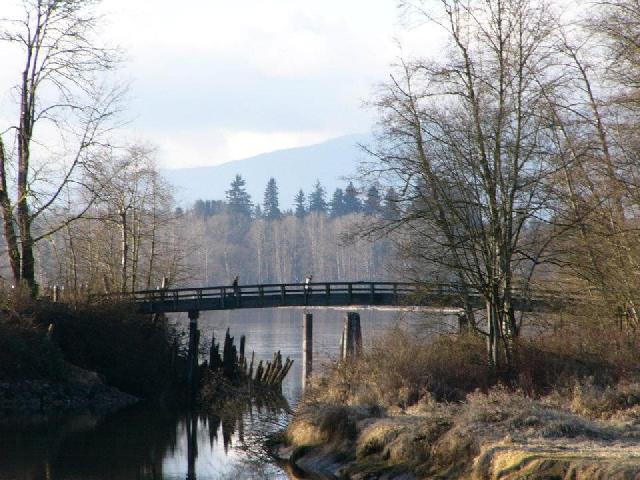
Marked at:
<point>234,284</point>
<point>307,283</point>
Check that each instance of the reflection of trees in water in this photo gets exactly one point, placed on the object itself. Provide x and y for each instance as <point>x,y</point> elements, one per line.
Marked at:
<point>131,444</point>
<point>230,417</point>
<point>243,425</point>
<point>135,443</point>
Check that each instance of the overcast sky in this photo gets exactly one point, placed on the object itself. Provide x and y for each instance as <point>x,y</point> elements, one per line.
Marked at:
<point>213,81</point>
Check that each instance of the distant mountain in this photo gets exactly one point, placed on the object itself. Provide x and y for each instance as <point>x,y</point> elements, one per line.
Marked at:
<point>293,168</point>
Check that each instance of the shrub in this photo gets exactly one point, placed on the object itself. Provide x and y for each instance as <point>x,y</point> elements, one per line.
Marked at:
<point>400,369</point>
<point>575,353</point>
<point>129,350</point>
<point>595,401</point>
<point>27,354</point>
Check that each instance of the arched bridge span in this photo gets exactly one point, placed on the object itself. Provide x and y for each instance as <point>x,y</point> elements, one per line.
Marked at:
<point>330,294</point>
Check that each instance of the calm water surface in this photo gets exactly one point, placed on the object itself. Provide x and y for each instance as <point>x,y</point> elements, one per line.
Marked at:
<point>151,443</point>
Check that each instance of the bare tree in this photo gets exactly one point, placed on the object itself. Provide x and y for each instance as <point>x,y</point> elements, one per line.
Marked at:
<point>465,142</point>
<point>130,238</point>
<point>61,95</point>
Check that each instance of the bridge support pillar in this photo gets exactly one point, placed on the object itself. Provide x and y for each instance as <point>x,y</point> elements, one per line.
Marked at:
<point>351,344</point>
<point>192,355</point>
<point>307,348</point>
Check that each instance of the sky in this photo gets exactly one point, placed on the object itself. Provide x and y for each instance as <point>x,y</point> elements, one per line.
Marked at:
<point>213,81</point>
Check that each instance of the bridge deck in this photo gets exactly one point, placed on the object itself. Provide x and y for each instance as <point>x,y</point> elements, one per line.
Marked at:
<point>390,294</point>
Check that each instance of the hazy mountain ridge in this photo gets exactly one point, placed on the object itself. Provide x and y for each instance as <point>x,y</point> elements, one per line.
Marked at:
<point>294,168</point>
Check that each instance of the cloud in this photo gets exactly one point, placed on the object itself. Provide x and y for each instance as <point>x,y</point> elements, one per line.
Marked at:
<point>218,81</point>
<point>191,148</point>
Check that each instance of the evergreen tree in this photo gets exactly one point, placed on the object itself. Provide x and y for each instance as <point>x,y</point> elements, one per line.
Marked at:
<point>390,206</point>
<point>200,209</point>
<point>352,203</point>
<point>337,203</point>
<point>317,199</point>
<point>271,203</point>
<point>257,211</point>
<point>372,203</point>
<point>237,197</point>
<point>299,201</point>
<point>207,208</point>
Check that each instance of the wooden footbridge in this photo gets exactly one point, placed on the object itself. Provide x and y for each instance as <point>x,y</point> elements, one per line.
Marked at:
<point>331,294</point>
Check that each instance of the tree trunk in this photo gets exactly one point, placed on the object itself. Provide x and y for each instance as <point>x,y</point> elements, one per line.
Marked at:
<point>8,221</point>
<point>27,268</point>
<point>124,259</point>
<point>493,334</point>
<point>28,272</point>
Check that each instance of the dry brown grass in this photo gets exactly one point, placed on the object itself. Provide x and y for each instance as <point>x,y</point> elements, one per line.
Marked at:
<point>325,423</point>
<point>401,369</point>
<point>434,410</point>
<point>500,433</point>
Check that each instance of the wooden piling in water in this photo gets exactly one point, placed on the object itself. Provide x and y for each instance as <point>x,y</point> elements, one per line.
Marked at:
<point>307,348</point>
<point>215,361</point>
<point>351,344</point>
<point>250,373</point>
<point>228,356</point>
<point>192,354</point>
<point>242,361</point>
<point>234,365</point>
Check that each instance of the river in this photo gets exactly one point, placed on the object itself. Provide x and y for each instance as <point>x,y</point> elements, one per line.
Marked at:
<point>146,442</point>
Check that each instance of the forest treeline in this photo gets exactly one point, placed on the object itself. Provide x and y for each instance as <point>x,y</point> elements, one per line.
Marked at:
<point>212,241</point>
<point>264,244</point>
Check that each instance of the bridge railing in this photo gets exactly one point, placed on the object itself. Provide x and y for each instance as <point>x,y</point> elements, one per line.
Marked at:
<point>226,294</point>
<point>274,290</point>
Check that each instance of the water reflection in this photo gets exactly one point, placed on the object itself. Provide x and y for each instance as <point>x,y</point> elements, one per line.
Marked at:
<point>151,443</point>
<point>129,445</point>
<point>145,443</point>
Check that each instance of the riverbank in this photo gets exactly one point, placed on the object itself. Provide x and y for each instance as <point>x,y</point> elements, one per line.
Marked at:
<point>58,359</point>
<point>81,392</point>
<point>415,413</point>
<point>501,434</point>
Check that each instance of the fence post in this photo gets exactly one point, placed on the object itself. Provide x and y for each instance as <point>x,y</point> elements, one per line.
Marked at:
<point>307,348</point>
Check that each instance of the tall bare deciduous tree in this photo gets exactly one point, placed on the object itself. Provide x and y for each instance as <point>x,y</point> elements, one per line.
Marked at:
<point>62,117</point>
<point>466,143</point>
<point>595,109</point>
<point>129,239</point>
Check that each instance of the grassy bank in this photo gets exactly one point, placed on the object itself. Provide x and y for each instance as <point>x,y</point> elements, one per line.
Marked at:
<point>47,349</point>
<point>569,408</point>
